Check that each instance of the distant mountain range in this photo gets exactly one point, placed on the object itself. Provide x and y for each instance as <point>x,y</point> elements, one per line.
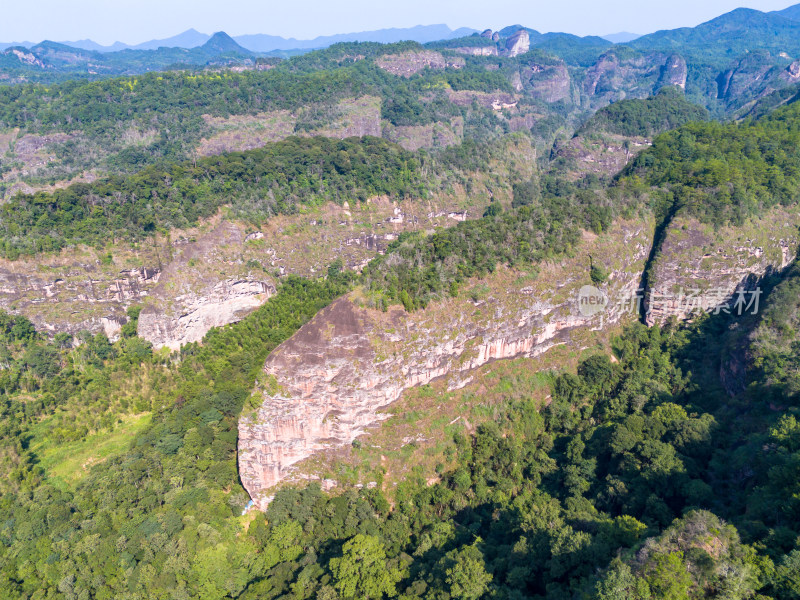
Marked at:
<point>268,43</point>
<point>52,60</point>
<point>738,32</point>
<point>718,44</point>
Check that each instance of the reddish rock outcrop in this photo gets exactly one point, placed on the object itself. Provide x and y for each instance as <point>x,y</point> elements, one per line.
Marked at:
<point>328,383</point>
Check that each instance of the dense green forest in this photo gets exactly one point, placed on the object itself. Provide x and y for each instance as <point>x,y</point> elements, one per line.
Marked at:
<point>666,110</point>
<point>617,489</point>
<point>260,183</point>
<point>722,172</point>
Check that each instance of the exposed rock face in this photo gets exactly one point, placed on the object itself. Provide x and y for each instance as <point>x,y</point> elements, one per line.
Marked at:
<point>27,57</point>
<point>478,50</point>
<point>433,135</point>
<point>697,267</point>
<point>227,302</point>
<point>601,154</point>
<point>73,297</point>
<point>348,118</point>
<point>411,63</point>
<point>612,78</point>
<point>518,43</point>
<point>674,72</point>
<point>550,83</point>
<point>754,76</point>
<point>792,72</point>
<point>327,384</point>
<point>496,100</point>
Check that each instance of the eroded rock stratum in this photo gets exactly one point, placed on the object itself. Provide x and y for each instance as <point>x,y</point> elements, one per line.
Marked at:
<point>326,385</point>
<point>329,383</point>
<point>696,260</point>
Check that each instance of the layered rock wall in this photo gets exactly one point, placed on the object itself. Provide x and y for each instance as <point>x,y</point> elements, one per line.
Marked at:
<point>226,302</point>
<point>69,297</point>
<point>699,268</point>
<point>327,384</point>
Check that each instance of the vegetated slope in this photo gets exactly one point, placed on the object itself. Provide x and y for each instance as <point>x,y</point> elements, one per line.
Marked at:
<point>723,173</point>
<point>534,503</point>
<point>537,504</point>
<point>418,268</point>
<point>122,125</point>
<point>666,110</point>
<point>429,97</point>
<point>267,181</point>
<point>197,396</point>
<point>615,134</point>
<point>732,34</point>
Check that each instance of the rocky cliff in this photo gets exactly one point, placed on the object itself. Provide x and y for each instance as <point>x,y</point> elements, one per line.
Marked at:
<point>194,314</point>
<point>327,384</point>
<point>614,78</point>
<point>81,291</point>
<point>191,280</point>
<point>411,63</point>
<point>700,268</point>
<point>601,154</point>
<point>518,43</point>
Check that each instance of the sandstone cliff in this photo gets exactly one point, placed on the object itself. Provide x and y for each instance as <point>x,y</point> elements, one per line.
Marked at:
<point>612,78</point>
<point>347,118</point>
<point>327,384</point>
<point>518,43</point>
<point>193,314</point>
<point>477,50</point>
<point>79,291</point>
<point>411,63</point>
<point>697,264</point>
<point>224,270</point>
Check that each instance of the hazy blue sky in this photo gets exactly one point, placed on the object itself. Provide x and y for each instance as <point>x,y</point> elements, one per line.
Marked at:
<point>134,21</point>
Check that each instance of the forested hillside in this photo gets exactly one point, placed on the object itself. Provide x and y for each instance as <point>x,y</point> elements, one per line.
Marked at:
<point>629,460</point>
<point>437,196</point>
<point>666,110</point>
<point>640,477</point>
<point>276,179</point>
<point>723,172</point>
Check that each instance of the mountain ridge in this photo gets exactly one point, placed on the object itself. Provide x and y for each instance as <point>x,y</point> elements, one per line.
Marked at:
<point>260,42</point>
<point>735,33</point>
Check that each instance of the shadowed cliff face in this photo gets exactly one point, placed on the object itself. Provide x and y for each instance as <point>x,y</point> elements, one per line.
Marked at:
<point>697,261</point>
<point>327,384</point>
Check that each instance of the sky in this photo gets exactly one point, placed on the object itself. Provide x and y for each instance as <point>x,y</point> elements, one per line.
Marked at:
<point>135,21</point>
